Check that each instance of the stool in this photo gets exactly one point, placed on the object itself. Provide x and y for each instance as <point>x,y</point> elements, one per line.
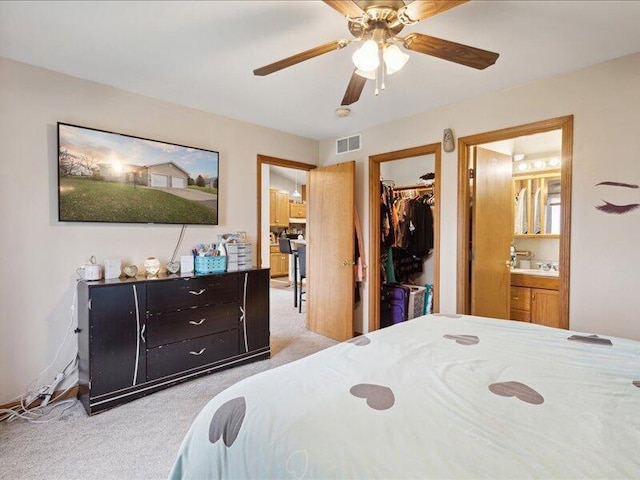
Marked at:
<point>285,247</point>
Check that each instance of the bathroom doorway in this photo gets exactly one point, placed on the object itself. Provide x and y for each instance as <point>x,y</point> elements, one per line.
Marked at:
<point>487,202</point>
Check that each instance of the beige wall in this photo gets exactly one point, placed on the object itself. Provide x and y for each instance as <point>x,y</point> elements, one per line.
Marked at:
<point>40,255</point>
<point>605,259</point>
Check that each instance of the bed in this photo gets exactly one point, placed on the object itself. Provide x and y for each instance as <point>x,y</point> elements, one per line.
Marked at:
<point>440,396</point>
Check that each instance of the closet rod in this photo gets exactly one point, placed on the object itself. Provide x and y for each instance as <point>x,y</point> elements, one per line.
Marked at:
<point>414,187</point>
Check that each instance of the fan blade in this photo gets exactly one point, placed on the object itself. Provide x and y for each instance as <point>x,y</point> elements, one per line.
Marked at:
<point>354,89</point>
<point>451,51</point>
<point>300,57</point>
<point>346,8</point>
<point>419,10</point>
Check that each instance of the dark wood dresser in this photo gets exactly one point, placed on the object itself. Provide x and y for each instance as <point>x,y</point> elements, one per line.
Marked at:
<point>137,336</point>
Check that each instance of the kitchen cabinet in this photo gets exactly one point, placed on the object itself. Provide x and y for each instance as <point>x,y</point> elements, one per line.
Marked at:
<point>137,336</point>
<point>279,262</point>
<point>542,213</point>
<point>535,299</point>
<point>297,210</point>
<point>278,208</point>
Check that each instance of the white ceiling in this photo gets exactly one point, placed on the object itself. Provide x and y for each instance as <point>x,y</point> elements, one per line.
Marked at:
<point>291,174</point>
<point>202,54</point>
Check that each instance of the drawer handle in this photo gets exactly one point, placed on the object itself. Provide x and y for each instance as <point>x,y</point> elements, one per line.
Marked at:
<point>515,298</point>
<point>199,322</point>
<point>200,292</point>
<point>198,353</point>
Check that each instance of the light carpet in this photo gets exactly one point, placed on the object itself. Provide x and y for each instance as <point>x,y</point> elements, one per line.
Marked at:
<point>141,439</point>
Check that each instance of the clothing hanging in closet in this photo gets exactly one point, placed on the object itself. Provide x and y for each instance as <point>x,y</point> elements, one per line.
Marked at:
<point>407,233</point>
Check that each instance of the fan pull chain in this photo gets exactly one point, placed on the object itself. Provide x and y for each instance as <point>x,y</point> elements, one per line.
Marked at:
<point>382,74</point>
<point>377,92</point>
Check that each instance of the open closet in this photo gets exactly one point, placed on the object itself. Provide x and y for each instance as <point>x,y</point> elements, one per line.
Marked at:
<point>406,247</point>
<point>405,226</point>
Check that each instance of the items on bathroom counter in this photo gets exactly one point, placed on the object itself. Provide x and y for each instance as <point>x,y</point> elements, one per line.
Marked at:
<point>536,271</point>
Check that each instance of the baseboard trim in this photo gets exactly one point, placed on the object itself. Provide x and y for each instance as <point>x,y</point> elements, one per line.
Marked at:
<point>72,393</point>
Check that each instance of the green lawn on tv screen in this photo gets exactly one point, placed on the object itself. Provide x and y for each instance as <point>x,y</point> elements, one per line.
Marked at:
<point>87,200</point>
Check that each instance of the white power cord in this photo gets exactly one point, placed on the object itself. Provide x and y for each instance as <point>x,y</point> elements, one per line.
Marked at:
<point>66,335</point>
<point>45,392</point>
<point>35,414</point>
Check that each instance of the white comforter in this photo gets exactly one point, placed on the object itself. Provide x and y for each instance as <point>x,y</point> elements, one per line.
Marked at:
<point>439,396</point>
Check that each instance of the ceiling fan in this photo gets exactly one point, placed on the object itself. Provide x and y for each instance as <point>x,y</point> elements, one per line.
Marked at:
<point>377,24</point>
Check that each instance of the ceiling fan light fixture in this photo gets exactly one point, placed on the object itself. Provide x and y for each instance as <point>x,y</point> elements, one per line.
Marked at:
<point>366,57</point>
<point>343,111</point>
<point>394,58</point>
<point>370,75</point>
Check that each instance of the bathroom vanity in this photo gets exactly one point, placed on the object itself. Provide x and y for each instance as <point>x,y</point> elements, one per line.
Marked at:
<point>534,297</point>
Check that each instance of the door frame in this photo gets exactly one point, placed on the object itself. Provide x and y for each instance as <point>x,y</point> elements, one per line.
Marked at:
<point>281,162</point>
<point>374,224</point>
<point>565,124</point>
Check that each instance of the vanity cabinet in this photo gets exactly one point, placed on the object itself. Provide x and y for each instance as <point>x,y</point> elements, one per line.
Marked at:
<point>545,307</point>
<point>521,304</point>
<point>278,208</point>
<point>137,336</point>
<point>537,215</point>
<point>535,299</point>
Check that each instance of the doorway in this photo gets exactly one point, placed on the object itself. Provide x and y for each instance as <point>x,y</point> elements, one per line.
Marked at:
<point>279,202</point>
<point>329,240</point>
<point>375,282</point>
<point>263,185</point>
<point>481,180</point>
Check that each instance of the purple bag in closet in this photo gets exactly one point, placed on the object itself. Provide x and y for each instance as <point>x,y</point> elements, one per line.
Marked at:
<point>394,304</point>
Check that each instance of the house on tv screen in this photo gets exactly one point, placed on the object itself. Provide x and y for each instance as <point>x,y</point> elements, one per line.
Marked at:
<point>161,175</point>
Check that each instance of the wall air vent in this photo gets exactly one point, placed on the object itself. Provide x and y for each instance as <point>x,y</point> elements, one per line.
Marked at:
<point>348,144</point>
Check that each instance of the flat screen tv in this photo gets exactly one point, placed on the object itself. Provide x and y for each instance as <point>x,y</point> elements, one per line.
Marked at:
<point>112,177</point>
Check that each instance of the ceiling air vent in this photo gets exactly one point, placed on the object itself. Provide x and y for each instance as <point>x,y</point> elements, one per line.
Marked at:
<point>348,144</point>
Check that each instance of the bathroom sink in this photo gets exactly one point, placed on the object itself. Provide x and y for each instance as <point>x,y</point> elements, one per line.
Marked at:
<point>536,271</point>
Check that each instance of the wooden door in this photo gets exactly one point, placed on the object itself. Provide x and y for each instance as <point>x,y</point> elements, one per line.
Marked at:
<point>492,227</point>
<point>330,251</point>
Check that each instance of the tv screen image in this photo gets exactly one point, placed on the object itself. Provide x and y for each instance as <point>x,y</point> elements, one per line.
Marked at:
<point>117,178</point>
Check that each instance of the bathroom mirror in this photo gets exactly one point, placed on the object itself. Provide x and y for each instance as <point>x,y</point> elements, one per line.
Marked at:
<point>552,226</point>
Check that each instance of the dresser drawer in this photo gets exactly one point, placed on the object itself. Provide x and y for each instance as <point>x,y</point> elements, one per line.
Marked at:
<point>520,298</point>
<point>521,315</point>
<point>180,293</point>
<point>173,327</point>
<point>181,356</point>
